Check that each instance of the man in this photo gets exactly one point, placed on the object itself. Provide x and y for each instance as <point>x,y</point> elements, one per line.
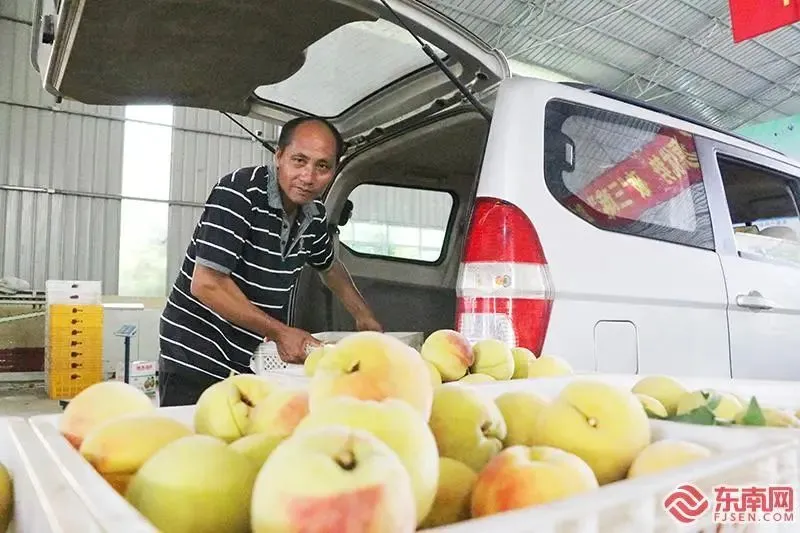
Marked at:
<point>256,233</point>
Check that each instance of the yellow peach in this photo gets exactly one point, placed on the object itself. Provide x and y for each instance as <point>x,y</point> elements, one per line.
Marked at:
<point>98,403</point>
<point>373,366</point>
<point>450,352</point>
<point>279,413</point>
<point>523,476</point>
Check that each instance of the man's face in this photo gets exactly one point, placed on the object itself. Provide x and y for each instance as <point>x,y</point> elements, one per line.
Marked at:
<point>306,165</point>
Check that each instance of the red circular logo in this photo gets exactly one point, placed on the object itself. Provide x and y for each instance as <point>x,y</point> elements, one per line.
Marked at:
<point>686,504</point>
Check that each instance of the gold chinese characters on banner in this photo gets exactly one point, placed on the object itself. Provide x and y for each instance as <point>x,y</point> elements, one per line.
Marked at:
<point>650,176</point>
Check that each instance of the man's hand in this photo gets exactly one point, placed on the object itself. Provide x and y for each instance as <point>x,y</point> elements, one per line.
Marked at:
<point>368,323</point>
<point>293,344</point>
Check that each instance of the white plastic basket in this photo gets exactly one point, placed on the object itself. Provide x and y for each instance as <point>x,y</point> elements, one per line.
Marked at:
<point>614,508</point>
<point>267,361</point>
<point>776,394</point>
<point>43,500</point>
<point>772,393</point>
<point>630,506</point>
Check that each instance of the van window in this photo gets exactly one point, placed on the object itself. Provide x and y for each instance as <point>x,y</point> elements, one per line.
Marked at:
<point>626,175</point>
<point>327,66</point>
<point>398,222</point>
<point>763,209</point>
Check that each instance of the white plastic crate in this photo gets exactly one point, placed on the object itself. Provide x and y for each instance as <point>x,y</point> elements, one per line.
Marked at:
<point>630,506</point>
<point>614,509</point>
<point>43,500</point>
<point>777,394</point>
<point>772,393</point>
<point>59,291</point>
<point>266,358</point>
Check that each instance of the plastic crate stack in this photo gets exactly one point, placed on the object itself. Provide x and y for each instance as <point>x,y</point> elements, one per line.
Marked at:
<point>74,351</point>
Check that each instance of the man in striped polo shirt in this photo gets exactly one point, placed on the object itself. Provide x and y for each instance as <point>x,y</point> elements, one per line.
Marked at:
<point>257,231</point>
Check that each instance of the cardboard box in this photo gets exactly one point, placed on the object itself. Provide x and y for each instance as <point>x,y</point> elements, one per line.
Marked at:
<point>143,375</point>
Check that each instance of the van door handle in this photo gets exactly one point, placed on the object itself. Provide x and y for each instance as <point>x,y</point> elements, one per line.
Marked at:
<point>754,300</point>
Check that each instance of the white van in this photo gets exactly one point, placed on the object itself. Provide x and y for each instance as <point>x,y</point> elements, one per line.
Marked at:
<point>561,218</point>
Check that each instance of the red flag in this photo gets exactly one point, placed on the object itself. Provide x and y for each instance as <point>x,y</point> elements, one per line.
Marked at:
<point>751,18</point>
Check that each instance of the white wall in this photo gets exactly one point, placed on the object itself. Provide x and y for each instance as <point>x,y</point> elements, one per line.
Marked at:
<point>208,146</point>
<point>60,172</point>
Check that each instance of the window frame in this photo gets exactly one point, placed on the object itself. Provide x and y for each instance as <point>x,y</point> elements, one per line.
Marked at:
<point>448,229</point>
<point>710,149</point>
<point>703,217</point>
<point>791,182</point>
<point>725,154</point>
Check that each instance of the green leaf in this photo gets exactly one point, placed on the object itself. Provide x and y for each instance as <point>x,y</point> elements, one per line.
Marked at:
<point>702,416</point>
<point>753,416</point>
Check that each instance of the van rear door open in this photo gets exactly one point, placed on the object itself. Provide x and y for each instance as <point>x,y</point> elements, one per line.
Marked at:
<point>348,61</point>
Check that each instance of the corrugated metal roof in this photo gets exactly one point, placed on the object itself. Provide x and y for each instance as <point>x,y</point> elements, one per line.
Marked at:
<point>678,53</point>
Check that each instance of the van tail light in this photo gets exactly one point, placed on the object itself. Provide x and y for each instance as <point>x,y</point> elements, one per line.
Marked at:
<point>504,290</point>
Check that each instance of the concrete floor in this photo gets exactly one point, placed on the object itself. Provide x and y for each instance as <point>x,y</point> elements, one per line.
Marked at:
<point>29,398</point>
<point>26,399</point>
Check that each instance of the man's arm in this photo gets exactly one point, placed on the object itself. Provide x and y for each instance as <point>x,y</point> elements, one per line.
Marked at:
<point>219,292</point>
<point>322,258</point>
<point>338,280</point>
<point>220,237</point>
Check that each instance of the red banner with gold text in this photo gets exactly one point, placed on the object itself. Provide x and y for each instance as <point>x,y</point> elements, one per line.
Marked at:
<point>656,173</point>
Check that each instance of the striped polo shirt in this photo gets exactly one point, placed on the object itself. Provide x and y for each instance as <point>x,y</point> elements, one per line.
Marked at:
<point>243,232</point>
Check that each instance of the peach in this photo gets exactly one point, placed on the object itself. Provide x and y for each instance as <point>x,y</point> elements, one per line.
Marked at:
<point>310,364</point>
<point>523,357</point>
<point>98,403</point>
<point>666,389</point>
<point>279,413</point>
<point>117,448</point>
<point>195,484</point>
<point>493,357</point>
<point>450,352</point>
<point>224,408</point>
<point>436,377</point>
<point>726,408</point>
<point>522,476</point>
<point>603,424</point>
<point>519,410</point>
<point>399,426</point>
<point>666,454</point>
<point>453,494</point>
<point>333,478</point>
<point>548,366</point>
<point>6,497</point>
<point>373,366</point>
<point>257,447</point>
<point>467,426</point>
<point>477,378</point>
<point>652,406</point>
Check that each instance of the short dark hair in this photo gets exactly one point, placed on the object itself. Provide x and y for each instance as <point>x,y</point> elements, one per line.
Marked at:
<point>287,133</point>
